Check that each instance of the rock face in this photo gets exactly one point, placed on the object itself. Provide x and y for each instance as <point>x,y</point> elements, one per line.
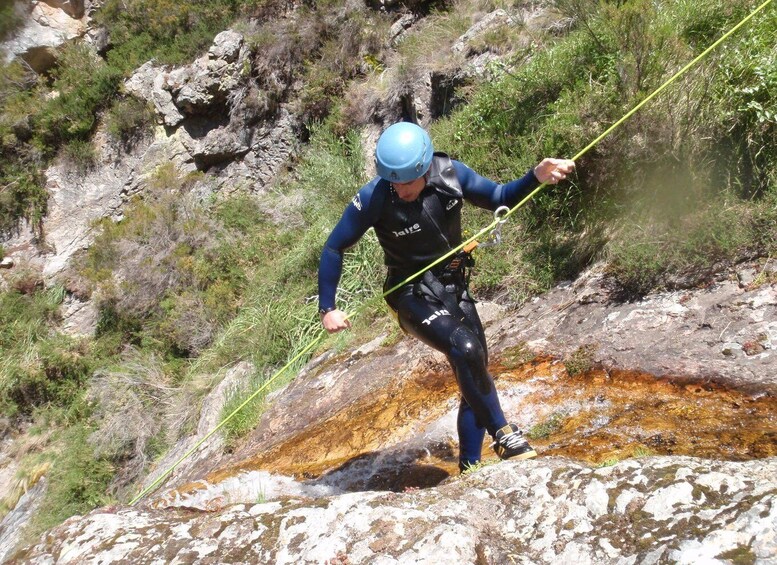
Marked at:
<point>77,200</point>
<point>222,118</point>
<point>678,510</point>
<point>48,25</point>
<point>726,333</point>
<point>394,408</point>
<point>211,122</point>
<point>12,525</point>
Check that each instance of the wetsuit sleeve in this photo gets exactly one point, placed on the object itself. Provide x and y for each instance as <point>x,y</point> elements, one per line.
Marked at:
<point>355,221</point>
<point>485,193</point>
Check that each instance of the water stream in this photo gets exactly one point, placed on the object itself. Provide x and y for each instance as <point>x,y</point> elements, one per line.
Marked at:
<point>405,438</point>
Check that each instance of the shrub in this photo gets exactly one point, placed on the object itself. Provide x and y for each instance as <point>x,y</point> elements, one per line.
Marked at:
<point>80,155</point>
<point>85,85</point>
<point>10,18</point>
<point>128,120</point>
<point>22,195</point>
<point>553,423</point>
<point>172,272</point>
<point>709,136</point>
<point>650,253</point>
<point>78,480</point>
<point>168,31</point>
<point>131,404</point>
<point>37,365</point>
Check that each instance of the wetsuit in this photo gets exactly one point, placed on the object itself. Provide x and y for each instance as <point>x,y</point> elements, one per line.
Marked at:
<point>437,309</point>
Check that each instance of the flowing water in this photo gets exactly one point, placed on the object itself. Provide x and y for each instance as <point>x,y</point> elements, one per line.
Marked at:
<point>405,438</point>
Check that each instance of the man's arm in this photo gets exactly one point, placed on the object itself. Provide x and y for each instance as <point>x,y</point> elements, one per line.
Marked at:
<point>486,193</point>
<point>355,221</point>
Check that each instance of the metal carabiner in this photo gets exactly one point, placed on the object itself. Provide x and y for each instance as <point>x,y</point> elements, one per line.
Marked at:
<point>495,236</point>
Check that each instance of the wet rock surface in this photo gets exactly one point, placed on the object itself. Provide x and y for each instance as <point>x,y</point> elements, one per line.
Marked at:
<point>724,333</point>
<point>353,426</point>
<point>311,483</point>
<point>679,510</point>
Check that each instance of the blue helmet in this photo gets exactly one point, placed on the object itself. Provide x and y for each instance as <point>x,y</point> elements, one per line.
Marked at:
<point>404,152</point>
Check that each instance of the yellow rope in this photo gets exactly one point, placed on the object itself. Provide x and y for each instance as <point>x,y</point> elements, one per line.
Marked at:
<point>469,241</point>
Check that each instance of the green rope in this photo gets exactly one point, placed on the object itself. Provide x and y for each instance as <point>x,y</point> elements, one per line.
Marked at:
<point>469,241</point>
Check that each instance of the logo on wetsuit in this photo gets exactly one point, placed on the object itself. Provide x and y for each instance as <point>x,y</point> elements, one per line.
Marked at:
<point>357,201</point>
<point>415,228</point>
<point>436,315</point>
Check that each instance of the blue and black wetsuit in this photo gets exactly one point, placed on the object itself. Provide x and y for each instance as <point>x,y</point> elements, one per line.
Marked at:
<point>413,235</point>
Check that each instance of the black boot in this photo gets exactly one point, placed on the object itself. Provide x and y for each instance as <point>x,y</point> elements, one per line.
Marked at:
<point>509,442</point>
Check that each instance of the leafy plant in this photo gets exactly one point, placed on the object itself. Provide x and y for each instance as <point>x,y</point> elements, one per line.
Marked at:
<point>85,85</point>
<point>37,365</point>
<point>129,119</point>
<point>10,18</point>
<point>581,360</point>
<point>553,423</point>
<point>78,480</point>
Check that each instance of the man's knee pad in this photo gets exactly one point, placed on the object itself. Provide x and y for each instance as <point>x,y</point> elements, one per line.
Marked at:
<point>468,350</point>
<point>467,346</point>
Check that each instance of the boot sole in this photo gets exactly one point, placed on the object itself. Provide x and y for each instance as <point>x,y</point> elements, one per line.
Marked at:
<point>525,455</point>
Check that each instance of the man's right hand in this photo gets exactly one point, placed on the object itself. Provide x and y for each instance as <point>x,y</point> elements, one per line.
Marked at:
<point>335,321</point>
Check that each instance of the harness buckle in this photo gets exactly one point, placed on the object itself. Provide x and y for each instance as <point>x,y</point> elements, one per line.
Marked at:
<point>495,236</point>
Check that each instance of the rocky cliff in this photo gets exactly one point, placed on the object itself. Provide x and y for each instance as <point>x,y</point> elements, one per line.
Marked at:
<point>656,510</point>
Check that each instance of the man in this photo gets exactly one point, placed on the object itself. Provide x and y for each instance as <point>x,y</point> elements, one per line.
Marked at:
<point>414,206</point>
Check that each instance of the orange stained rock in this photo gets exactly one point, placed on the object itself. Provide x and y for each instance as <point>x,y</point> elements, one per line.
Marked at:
<point>601,416</point>
<point>359,429</point>
<point>597,417</point>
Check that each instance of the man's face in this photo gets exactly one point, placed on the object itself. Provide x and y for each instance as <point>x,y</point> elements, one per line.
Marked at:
<point>409,191</point>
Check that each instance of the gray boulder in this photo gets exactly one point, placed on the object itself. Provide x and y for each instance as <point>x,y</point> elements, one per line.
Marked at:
<point>47,26</point>
<point>678,510</point>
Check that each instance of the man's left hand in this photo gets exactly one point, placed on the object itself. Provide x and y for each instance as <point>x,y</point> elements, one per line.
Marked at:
<point>552,171</point>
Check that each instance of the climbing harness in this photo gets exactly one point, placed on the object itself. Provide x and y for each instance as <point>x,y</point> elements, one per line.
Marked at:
<point>453,278</point>
<point>491,235</point>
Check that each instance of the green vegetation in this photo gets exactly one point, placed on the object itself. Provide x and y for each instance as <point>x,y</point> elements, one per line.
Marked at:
<point>517,355</point>
<point>42,116</point>
<point>43,377</point>
<point>581,360</point>
<point>128,119</point>
<point>698,155</point>
<point>634,452</point>
<point>78,481</point>
<point>9,18</point>
<point>278,319</point>
<point>38,366</point>
<point>553,423</point>
<point>168,31</point>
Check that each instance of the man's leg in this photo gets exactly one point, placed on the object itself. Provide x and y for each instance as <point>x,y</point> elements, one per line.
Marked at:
<point>463,342</point>
<point>470,436</point>
<point>428,320</point>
